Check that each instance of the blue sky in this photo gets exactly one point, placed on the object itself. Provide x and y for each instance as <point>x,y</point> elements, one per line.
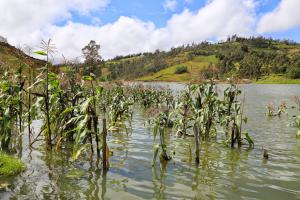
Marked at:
<point>132,26</point>
<point>154,11</point>
<point>146,10</point>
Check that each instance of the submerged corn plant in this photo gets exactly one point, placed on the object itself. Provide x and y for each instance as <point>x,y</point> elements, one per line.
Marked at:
<point>271,111</point>
<point>117,105</point>
<point>161,148</point>
<point>297,125</point>
<point>232,118</point>
<point>296,100</point>
<point>183,111</point>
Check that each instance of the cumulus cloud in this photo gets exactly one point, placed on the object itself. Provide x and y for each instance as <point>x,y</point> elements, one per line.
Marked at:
<point>284,17</point>
<point>126,35</point>
<point>20,17</point>
<point>170,5</point>
<point>216,20</point>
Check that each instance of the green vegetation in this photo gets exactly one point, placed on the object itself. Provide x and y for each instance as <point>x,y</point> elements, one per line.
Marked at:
<point>181,70</point>
<point>243,58</point>
<point>70,111</point>
<point>277,79</point>
<point>196,70</point>
<point>9,165</point>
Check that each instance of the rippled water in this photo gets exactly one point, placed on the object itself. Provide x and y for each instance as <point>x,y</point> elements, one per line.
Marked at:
<point>223,173</point>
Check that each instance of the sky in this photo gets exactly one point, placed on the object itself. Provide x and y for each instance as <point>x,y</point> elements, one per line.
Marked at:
<point>124,27</point>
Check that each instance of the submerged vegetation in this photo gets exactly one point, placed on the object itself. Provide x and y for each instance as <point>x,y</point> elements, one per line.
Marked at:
<point>79,112</point>
<point>70,111</point>
<point>70,107</point>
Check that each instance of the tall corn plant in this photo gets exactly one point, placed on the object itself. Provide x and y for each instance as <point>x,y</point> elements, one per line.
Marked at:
<point>205,110</point>
<point>87,121</point>
<point>47,49</point>
<point>8,109</point>
<point>183,111</point>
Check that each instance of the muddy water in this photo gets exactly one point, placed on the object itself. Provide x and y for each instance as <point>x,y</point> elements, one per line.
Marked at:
<point>223,173</point>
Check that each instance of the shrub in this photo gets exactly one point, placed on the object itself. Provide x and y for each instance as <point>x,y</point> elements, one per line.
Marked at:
<point>294,73</point>
<point>181,70</point>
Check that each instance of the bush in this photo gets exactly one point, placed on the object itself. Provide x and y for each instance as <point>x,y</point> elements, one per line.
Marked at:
<point>294,73</point>
<point>181,70</point>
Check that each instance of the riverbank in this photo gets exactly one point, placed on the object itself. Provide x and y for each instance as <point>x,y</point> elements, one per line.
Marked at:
<point>186,78</point>
<point>277,79</point>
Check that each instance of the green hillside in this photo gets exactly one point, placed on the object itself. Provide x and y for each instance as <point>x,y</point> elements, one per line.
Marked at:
<point>11,57</point>
<point>255,58</point>
<point>195,70</point>
<point>258,59</point>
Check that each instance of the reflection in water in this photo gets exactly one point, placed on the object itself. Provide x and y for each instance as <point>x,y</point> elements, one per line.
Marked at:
<point>158,181</point>
<point>223,173</point>
<point>103,184</point>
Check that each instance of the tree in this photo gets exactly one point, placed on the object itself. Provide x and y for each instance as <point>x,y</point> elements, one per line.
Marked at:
<point>93,60</point>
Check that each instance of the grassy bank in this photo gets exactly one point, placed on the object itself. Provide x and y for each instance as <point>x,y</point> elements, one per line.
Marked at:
<point>9,165</point>
<point>277,79</point>
<point>195,68</point>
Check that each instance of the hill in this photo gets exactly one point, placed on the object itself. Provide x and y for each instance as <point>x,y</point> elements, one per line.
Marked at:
<point>11,57</point>
<point>262,60</point>
<point>254,58</point>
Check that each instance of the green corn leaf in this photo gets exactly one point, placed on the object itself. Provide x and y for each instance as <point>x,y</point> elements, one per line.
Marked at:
<point>42,53</point>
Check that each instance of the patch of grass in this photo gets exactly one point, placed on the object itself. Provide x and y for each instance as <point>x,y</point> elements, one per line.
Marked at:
<point>193,73</point>
<point>10,165</point>
<point>208,59</point>
<point>278,79</point>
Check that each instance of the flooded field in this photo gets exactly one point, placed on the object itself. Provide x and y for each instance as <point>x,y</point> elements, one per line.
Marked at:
<point>223,173</point>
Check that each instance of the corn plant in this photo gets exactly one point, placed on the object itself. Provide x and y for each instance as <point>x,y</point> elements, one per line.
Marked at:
<point>183,112</point>
<point>159,129</point>
<point>232,118</point>
<point>8,109</point>
<point>281,109</point>
<point>47,49</point>
<point>296,100</point>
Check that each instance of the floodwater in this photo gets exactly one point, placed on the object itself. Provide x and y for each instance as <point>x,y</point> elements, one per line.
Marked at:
<point>223,173</point>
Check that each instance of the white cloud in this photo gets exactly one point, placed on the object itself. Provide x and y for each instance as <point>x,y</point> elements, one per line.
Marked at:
<point>216,20</point>
<point>170,5</point>
<point>284,17</point>
<point>126,35</point>
<point>20,17</point>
